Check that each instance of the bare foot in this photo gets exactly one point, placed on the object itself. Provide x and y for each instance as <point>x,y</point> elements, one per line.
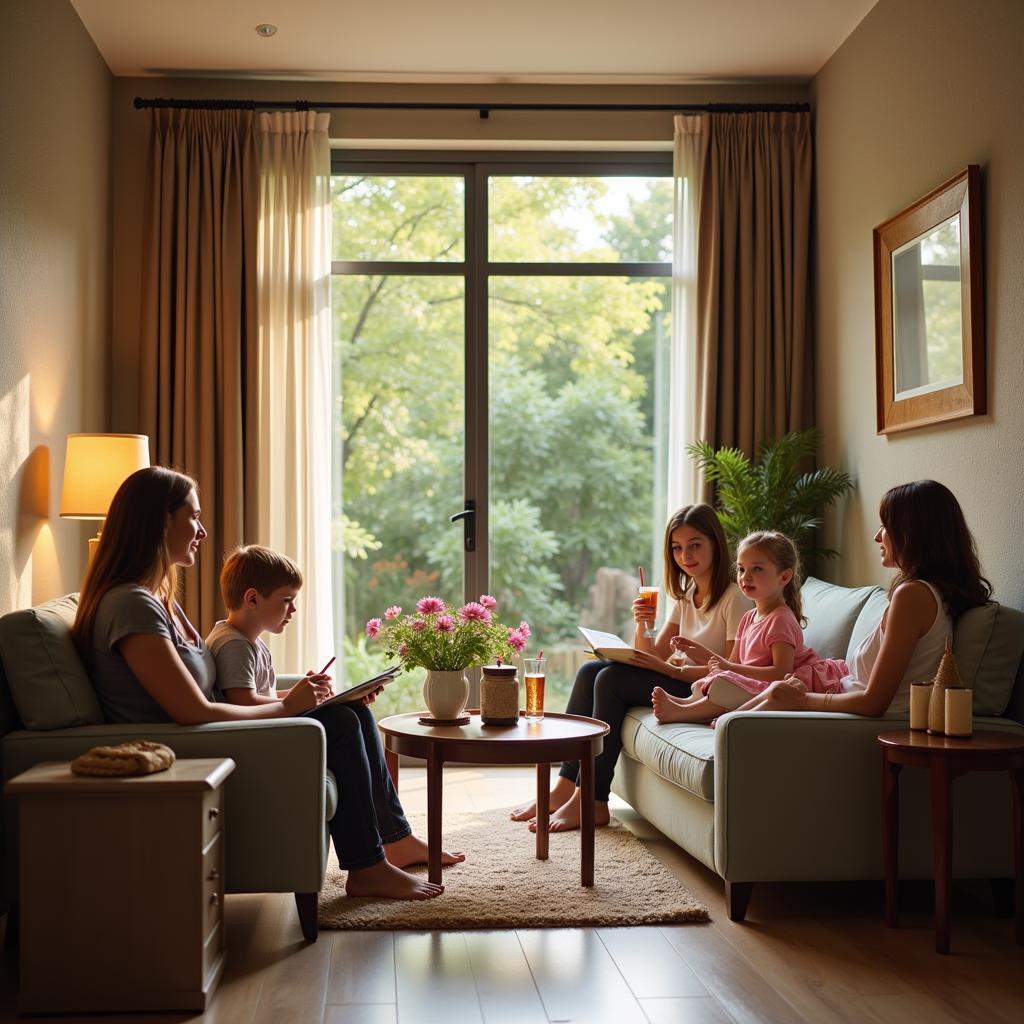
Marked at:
<point>567,817</point>
<point>413,850</point>
<point>561,793</point>
<point>384,879</point>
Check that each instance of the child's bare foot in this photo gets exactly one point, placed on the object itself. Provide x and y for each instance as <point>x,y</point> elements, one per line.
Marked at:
<point>561,793</point>
<point>567,817</point>
<point>667,708</point>
<point>390,882</point>
<point>412,850</point>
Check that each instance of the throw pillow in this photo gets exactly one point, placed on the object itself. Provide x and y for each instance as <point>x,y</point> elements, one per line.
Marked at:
<point>48,682</point>
<point>831,614</point>
<point>988,643</point>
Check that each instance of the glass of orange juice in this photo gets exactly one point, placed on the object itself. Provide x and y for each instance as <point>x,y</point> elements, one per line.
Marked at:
<point>649,596</point>
<point>533,673</point>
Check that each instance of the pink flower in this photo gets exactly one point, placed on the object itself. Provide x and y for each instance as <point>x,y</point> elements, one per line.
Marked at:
<point>488,602</point>
<point>418,624</point>
<point>516,640</point>
<point>473,611</point>
<point>524,628</point>
<point>444,624</point>
<point>403,650</point>
<point>373,628</point>
<point>393,612</point>
<point>428,605</point>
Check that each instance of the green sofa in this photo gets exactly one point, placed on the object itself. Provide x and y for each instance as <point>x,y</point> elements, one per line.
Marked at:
<point>783,796</point>
<point>278,799</point>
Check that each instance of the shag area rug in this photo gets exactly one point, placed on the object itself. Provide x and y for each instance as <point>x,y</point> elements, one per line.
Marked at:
<point>503,885</point>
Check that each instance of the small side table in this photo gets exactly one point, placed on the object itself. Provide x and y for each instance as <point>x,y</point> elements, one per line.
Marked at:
<point>946,757</point>
<point>122,886</point>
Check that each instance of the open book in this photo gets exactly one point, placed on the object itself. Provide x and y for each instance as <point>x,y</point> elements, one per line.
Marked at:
<point>608,645</point>
<point>360,689</point>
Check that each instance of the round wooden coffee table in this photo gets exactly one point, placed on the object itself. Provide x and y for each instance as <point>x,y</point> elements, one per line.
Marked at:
<point>946,757</point>
<point>553,738</point>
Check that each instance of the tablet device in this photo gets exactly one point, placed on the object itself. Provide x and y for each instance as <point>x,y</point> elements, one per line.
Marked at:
<point>360,689</point>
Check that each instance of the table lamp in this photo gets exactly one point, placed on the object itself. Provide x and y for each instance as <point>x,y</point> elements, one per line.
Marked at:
<point>95,465</point>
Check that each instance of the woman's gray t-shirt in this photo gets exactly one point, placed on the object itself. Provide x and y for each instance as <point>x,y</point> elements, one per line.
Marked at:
<point>123,611</point>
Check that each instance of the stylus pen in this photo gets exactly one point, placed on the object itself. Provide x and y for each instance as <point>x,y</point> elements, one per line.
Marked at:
<point>327,666</point>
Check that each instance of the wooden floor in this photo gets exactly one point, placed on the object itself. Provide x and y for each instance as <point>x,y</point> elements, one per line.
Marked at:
<point>814,952</point>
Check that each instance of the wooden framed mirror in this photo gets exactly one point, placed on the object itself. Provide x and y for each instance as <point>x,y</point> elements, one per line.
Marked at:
<point>929,309</point>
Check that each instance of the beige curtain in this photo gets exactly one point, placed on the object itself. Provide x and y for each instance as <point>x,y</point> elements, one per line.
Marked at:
<point>294,389</point>
<point>198,331</point>
<point>684,478</point>
<point>754,365</point>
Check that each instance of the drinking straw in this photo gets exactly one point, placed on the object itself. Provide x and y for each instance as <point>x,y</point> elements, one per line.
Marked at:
<point>540,656</point>
<point>640,569</point>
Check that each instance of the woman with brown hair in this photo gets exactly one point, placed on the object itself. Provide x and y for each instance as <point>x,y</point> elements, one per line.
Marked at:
<point>706,614</point>
<point>149,664</point>
<point>924,535</point>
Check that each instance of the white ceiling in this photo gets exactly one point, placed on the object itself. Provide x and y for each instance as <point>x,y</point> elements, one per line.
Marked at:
<point>474,40</point>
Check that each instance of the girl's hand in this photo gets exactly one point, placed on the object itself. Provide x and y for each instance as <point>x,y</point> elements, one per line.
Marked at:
<point>652,662</point>
<point>696,652</point>
<point>716,665</point>
<point>301,697</point>
<point>643,613</point>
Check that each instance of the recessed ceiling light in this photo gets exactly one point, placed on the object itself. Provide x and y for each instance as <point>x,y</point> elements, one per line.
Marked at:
<point>266,30</point>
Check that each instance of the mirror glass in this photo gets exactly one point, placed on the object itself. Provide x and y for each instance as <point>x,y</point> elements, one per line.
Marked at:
<point>926,329</point>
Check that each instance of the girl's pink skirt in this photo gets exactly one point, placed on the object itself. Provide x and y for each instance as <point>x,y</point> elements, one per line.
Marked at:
<point>822,676</point>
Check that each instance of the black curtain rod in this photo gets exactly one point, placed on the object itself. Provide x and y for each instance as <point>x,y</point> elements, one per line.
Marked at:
<point>484,109</point>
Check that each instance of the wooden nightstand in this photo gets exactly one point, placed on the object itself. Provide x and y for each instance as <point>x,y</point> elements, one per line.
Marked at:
<point>121,887</point>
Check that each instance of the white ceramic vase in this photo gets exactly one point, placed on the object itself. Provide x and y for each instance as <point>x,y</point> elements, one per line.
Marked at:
<point>446,693</point>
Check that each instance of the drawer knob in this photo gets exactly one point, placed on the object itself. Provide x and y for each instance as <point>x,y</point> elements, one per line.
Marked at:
<point>213,875</point>
<point>214,899</point>
<point>213,812</point>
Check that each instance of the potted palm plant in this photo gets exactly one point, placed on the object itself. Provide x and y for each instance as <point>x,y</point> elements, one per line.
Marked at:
<point>771,492</point>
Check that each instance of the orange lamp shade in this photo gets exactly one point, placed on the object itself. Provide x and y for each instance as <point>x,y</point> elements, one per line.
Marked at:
<point>95,466</point>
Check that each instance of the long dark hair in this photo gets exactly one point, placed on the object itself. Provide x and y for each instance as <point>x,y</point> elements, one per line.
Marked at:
<point>931,542</point>
<point>782,553</point>
<point>703,519</point>
<point>132,546</point>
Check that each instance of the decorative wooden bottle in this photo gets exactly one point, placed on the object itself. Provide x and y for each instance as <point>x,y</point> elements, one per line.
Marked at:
<point>946,677</point>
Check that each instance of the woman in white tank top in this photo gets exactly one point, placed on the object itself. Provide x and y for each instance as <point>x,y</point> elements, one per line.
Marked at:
<point>923,535</point>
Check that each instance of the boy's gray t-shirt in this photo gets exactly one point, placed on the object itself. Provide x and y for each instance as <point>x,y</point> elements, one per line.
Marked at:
<point>240,661</point>
<point>125,610</point>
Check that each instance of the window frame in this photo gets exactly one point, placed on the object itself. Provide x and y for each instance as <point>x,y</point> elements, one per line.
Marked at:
<point>476,270</point>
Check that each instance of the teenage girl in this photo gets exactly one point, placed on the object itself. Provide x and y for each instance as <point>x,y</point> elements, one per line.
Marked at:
<point>707,610</point>
<point>769,643</point>
<point>925,537</point>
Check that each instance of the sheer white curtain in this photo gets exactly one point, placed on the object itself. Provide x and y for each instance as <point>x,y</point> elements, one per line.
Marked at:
<point>684,479</point>
<point>294,371</point>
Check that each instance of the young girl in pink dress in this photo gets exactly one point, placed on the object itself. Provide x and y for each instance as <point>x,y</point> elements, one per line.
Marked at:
<point>769,641</point>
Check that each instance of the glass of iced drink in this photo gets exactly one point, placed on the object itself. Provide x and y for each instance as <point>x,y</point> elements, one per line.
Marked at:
<point>533,673</point>
<point>649,596</point>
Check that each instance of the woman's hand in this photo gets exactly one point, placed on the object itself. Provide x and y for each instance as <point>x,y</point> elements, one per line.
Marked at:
<point>644,614</point>
<point>788,694</point>
<point>697,653</point>
<point>301,697</point>
<point>653,663</point>
<point>369,698</point>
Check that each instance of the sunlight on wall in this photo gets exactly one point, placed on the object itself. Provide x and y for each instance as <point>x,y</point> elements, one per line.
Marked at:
<point>15,565</point>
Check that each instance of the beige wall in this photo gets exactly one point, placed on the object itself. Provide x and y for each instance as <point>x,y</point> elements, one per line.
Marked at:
<point>353,127</point>
<point>55,94</point>
<point>921,89</point>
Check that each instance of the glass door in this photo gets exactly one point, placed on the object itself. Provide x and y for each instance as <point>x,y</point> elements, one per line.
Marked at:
<point>501,340</point>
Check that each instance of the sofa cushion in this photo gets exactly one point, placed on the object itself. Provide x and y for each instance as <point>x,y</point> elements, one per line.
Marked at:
<point>870,616</point>
<point>988,643</point>
<point>680,753</point>
<point>47,679</point>
<point>832,613</point>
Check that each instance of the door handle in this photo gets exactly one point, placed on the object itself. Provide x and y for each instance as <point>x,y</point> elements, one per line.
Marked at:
<point>468,517</point>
